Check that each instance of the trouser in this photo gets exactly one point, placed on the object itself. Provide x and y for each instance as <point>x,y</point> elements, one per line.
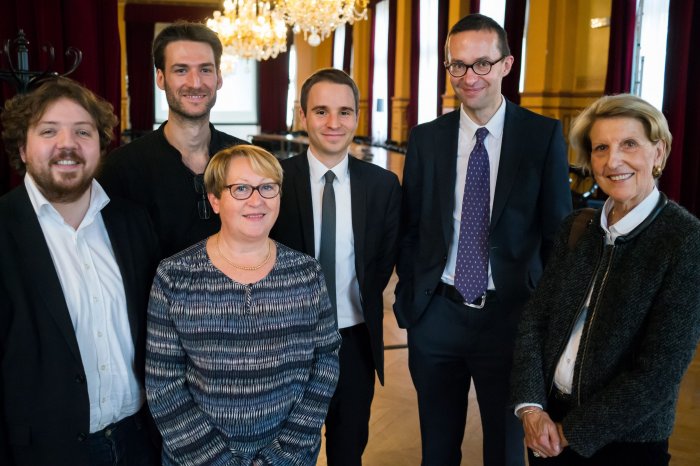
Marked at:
<point>449,346</point>
<point>347,421</point>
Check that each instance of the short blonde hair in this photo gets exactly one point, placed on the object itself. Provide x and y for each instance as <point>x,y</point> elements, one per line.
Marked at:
<point>261,161</point>
<point>617,106</point>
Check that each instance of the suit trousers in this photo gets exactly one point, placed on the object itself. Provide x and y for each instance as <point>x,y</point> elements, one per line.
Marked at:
<point>449,346</point>
<point>347,421</point>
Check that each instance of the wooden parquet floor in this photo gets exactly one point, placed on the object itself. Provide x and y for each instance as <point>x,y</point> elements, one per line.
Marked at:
<point>395,434</point>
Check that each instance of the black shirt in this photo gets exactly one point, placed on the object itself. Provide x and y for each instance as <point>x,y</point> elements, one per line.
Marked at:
<point>150,171</point>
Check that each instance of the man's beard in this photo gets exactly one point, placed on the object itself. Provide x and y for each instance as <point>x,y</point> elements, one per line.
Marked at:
<point>61,187</point>
<point>176,107</point>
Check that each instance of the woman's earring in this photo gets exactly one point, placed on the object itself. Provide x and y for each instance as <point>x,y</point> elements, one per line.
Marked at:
<point>656,171</point>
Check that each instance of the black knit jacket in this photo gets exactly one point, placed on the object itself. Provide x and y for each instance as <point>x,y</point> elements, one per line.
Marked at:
<point>640,333</point>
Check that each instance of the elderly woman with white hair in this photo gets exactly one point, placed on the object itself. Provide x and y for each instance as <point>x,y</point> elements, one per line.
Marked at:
<point>614,323</point>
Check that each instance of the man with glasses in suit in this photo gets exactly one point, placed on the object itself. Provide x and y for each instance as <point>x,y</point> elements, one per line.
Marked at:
<point>485,188</point>
<point>163,170</point>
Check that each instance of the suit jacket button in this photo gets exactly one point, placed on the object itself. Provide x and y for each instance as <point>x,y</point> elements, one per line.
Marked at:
<point>428,292</point>
<point>82,436</point>
<point>80,378</point>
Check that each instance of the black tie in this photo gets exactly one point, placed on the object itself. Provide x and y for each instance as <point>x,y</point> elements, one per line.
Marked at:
<point>326,254</point>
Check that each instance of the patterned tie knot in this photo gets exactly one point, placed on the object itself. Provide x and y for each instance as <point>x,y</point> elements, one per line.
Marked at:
<point>481,134</point>
<point>329,176</point>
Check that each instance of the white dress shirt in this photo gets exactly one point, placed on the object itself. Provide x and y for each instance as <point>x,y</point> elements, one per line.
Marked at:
<point>465,145</point>
<point>347,289</point>
<point>94,293</point>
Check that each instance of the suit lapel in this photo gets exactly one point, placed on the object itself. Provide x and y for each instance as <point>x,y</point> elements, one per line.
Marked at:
<point>302,193</point>
<point>445,143</point>
<point>38,264</point>
<point>358,201</point>
<point>511,155</point>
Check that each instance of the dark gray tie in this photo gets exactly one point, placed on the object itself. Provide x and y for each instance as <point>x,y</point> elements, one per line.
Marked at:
<point>326,255</point>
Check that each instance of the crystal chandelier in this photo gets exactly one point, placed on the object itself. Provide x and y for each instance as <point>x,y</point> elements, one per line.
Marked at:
<point>250,29</point>
<point>318,18</point>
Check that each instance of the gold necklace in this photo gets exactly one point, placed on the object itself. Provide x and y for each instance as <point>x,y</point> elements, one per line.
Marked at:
<point>245,267</point>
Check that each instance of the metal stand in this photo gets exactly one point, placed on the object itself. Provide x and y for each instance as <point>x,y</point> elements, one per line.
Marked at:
<point>19,74</point>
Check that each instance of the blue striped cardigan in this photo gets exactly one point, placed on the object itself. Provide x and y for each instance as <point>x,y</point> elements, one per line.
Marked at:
<point>240,374</point>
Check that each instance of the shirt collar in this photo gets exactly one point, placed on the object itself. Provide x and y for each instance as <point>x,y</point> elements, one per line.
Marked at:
<point>43,208</point>
<point>494,125</point>
<point>317,170</point>
<point>633,218</point>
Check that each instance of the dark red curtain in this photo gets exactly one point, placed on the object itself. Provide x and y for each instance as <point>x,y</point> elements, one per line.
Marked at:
<point>621,48</point>
<point>474,6</point>
<point>140,27</point>
<point>273,77</point>
<point>682,104</point>
<point>347,50</point>
<point>412,109</point>
<point>87,25</point>
<point>391,66</point>
<point>443,28</point>
<point>515,27</point>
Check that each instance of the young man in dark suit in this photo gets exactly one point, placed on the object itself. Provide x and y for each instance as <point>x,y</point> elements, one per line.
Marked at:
<point>75,275</point>
<point>485,188</point>
<point>345,212</point>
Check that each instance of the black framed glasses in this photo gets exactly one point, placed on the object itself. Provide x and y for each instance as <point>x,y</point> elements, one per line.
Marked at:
<point>202,204</point>
<point>481,67</point>
<point>242,192</point>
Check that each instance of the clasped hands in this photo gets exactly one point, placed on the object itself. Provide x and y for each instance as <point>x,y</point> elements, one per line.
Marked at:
<point>542,435</point>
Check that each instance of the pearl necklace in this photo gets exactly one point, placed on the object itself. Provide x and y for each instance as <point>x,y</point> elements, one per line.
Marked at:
<point>245,267</point>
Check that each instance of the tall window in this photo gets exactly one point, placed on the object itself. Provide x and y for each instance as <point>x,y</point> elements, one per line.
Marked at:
<point>428,62</point>
<point>650,60</point>
<point>339,47</point>
<point>494,9</point>
<point>380,97</point>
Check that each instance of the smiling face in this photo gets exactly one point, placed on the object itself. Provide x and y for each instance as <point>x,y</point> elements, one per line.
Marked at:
<point>480,95</point>
<point>622,159</point>
<point>190,79</point>
<point>62,151</point>
<point>330,120</point>
<point>250,219</point>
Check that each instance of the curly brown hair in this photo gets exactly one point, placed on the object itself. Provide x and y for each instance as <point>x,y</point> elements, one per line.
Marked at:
<point>25,110</point>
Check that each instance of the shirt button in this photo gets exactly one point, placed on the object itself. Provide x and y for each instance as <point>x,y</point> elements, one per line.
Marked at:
<point>103,367</point>
<point>99,334</point>
<point>95,299</point>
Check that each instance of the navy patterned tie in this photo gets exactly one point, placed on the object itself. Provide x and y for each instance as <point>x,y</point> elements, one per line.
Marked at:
<point>471,271</point>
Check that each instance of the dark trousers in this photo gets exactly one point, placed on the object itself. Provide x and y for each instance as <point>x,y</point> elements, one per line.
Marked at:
<point>451,345</point>
<point>614,454</point>
<point>124,443</point>
<point>347,422</point>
